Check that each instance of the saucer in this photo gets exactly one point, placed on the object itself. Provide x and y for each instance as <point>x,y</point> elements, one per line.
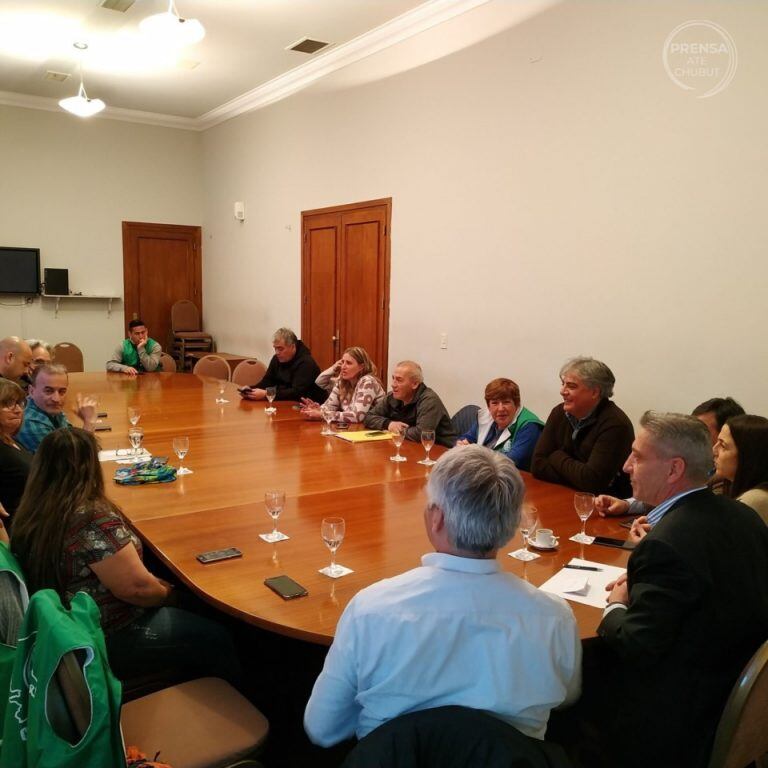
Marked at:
<point>542,548</point>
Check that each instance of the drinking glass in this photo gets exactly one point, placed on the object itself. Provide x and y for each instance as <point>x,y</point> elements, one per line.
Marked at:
<point>332,531</point>
<point>274,501</point>
<point>529,522</point>
<point>134,414</point>
<point>583,503</point>
<point>397,439</point>
<point>327,414</point>
<point>271,395</point>
<point>181,448</point>
<point>427,440</point>
<point>136,435</point>
<point>222,386</point>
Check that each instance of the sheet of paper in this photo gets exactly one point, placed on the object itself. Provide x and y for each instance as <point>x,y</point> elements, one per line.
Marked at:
<point>364,436</point>
<point>593,593</point>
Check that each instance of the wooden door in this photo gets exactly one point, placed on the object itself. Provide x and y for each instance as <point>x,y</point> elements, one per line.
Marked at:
<point>345,281</point>
<point>161,264</point>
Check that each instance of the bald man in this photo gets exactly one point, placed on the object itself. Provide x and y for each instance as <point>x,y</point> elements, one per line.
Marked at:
<point>411,406</point>
<point>15,360</point>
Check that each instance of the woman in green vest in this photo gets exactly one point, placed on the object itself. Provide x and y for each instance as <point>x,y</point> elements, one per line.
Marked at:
<point>68,536</point>
<point>505,425</point>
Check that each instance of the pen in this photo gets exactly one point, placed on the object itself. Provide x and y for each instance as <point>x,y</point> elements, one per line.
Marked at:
<point>582,567</point>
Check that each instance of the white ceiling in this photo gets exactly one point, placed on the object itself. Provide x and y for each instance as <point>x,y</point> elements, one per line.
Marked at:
<point>239,65</point>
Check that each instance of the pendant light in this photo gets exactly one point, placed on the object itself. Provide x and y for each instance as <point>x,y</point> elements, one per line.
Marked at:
<point>170,28</point>
<point>81,105</point>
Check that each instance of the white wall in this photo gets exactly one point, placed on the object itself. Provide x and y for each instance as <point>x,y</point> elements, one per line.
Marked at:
<point>579,203</point>
<point>66,186</point>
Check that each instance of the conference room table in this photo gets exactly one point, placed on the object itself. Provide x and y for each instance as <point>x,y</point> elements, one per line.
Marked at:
<point>237,452</point>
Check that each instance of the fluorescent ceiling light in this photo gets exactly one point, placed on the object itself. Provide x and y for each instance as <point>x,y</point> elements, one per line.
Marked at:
<point>171,29</point>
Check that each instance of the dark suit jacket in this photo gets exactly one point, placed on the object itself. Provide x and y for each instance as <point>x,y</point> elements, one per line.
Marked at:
<point>593,461</point>
<point>698,611</point>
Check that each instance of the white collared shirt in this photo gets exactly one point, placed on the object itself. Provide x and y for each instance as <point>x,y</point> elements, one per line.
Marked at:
<point>454,631</point>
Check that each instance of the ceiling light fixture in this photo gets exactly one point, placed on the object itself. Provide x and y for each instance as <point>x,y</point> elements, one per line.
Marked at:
<point>81,105</point>
<point>168,27</point>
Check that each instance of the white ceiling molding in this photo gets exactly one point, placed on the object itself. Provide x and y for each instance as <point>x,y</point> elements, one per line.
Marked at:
<point>420,19</point>
<point>407,25</point>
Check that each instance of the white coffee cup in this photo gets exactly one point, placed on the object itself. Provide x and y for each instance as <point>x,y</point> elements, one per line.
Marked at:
<point>544,537</point>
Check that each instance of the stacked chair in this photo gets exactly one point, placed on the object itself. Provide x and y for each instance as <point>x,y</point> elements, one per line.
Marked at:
<point>186,332</point>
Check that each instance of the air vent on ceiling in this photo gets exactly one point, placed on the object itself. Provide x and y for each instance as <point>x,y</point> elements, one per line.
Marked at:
<point>117,5</point>
<point>306,45</point>
<point>59,77</point>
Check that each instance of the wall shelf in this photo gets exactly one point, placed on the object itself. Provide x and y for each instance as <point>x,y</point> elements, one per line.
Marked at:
<point>59,297</point>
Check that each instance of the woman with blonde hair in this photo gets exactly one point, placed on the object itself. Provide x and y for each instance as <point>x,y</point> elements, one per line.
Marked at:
<point>354,385</point>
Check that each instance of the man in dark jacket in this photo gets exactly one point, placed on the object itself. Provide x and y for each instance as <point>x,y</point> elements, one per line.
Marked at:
<point>587,437</point>
<point>292,371</point>
<point>411,406</point>
<point>693,606</point>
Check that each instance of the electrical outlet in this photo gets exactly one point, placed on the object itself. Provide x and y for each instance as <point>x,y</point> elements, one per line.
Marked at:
<point>443,341</point>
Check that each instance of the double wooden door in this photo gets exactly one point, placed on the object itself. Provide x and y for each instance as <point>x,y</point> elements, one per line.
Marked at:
<point>345,281</point>
<point>161,265</point>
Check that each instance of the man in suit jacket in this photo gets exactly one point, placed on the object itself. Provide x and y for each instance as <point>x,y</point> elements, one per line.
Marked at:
<point>693,606</point>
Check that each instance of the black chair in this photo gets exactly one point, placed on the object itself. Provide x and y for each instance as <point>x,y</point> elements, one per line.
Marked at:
<point>452,737</point>
<point>465,418</point>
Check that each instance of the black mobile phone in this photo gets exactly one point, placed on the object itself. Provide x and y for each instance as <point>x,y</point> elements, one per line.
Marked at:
<point>286,587</point>
<point>102,428</point>
<point>607,541</point>
<point>219,554</point>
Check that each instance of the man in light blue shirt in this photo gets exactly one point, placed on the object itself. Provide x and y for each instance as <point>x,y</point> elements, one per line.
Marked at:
<point>457,630</point>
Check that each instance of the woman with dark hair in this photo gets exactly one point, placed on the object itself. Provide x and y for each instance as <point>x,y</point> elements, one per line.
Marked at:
<point>15,460</point>
<point>741,461</point>
<point>354,388</point>
<point>68,536</point>
<point>505,426</point>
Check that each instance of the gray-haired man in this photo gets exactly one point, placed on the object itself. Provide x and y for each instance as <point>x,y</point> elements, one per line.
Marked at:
<point>693,607</point>
<point>457,630</point>
<point>586,437</point>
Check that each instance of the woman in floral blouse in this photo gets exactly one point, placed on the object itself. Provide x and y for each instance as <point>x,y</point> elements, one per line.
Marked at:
<point>68,536</point>
<point>354,388</point>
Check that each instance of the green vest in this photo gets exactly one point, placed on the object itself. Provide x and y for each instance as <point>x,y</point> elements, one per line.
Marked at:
<point>48,633</point>
<point>524,417</point>
<point>130,354</point>
<point>9,564</point>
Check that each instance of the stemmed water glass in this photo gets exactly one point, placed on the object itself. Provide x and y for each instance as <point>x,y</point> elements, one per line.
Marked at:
<point>134,414</point>
<point>274,501</point>
<point>327,414</point>
<point>181,448</point>
<point>220,400</point>
<point>427,440</point>
<point>583,503</point>
<point>397,439</point>
<point>271,395</point>
<point>332,531</point>
<point>136,435</point>
<point>529,521</point>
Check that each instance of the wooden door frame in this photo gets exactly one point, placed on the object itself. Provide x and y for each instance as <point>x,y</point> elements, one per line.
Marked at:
<point>132,230</point>
<point>386,202</point>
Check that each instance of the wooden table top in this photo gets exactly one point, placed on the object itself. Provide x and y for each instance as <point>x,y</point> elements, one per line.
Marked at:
<point>237,452</point>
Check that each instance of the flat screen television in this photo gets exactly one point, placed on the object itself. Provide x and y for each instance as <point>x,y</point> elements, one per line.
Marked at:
<point>20,270</point>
